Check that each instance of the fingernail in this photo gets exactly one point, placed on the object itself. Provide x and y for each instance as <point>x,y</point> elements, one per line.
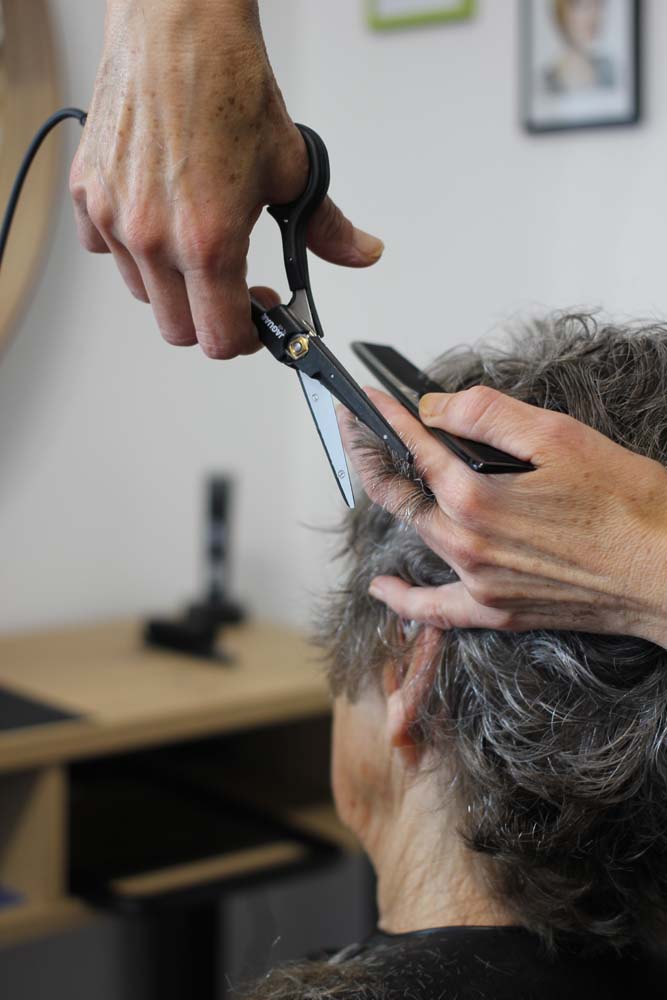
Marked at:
<point>433,404</point>
<point>375,590</point>
<point>368,246</point>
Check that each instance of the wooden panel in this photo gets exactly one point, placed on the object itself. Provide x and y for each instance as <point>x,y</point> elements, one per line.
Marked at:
<point>29,93</point>
<point>32,833</point>
<point>23,923</point>
<point>227,866</point>
<point>133,697</point>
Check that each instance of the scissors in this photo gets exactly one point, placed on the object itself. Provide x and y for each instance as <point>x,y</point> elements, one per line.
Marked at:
<point>294,336</point>
<point>293,332</point>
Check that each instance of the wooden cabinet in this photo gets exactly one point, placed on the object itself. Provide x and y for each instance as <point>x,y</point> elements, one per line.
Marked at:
<point>255,732</point>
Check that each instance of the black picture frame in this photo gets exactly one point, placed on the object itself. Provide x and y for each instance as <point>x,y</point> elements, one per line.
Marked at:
<point>619,106</point>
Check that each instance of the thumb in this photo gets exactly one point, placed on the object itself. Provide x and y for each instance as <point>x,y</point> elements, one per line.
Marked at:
<point>484,414</point>
<point>334,238</point>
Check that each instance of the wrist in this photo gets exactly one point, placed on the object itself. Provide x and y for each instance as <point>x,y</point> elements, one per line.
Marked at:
<point>238,18</point>
<point>231,7</point>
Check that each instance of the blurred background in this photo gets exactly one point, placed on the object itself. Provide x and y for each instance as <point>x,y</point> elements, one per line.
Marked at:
<point>107,434</point>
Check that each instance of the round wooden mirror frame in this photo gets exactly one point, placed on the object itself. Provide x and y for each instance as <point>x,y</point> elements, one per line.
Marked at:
<point>29,93</point>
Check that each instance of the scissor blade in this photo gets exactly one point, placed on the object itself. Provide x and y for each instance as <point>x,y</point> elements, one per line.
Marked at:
<point>323,410</point>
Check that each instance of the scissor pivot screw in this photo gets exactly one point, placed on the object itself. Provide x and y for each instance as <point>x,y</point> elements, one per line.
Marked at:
<point>298,346</point>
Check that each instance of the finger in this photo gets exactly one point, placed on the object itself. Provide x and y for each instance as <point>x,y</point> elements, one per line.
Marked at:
<point>457,489</point>
<point>484,414</point>
<point>129,271</point>
<point>220,307</point>
<point>333,237</point>
<point>169,300</point>
<point>446,607</point>
<point>267,297</point>
<point>90,237</point>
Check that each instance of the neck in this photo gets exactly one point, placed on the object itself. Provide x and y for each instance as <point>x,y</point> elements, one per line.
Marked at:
<point>426,876</point>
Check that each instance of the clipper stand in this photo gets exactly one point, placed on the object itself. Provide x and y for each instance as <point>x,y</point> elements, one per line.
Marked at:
<point>196,631</point>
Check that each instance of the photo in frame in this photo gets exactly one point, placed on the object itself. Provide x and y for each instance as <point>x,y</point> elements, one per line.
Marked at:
<point>383,14</point>
<point>580,63</point>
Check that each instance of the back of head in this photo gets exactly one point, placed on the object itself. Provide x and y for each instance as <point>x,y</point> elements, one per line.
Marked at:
<point>553,743</point>
<point>556,739</point>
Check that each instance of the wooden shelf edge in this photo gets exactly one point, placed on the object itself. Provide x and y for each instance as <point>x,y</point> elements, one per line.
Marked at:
<point>77,740</point>
<point>28,920</point>
<point>227,866</point>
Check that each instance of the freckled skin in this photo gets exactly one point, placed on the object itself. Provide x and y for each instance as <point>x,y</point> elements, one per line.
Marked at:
<point>573,545</point>
<point>174,167</point>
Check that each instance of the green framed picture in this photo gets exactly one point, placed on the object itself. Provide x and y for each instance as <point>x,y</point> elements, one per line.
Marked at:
<point>406,13</point>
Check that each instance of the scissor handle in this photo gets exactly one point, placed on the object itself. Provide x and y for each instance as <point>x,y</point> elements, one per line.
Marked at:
<point>293,218</point>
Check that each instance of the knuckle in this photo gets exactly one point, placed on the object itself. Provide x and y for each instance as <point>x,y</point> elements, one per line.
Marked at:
<point>217,350</point>
<point>142,237</point>
<point>465,499</point>
<point>483,592</point>
<point>207,247</point>
<point>77,186</point>
<point>470,554</point>
<point>557,432</point>
<point>176,338</point>
<point>77,191</point>
<point>433,614</point>
<point>100,212</point>
<point>144,244</point>
<point>562,429</point>
<point>88,239</point>
<point>477,402</point>
<point>476,554</point>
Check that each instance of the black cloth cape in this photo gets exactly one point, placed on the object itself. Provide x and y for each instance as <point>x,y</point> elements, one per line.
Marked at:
<point>504,963</point>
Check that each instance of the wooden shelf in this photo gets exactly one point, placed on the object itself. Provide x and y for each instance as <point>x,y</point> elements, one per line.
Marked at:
<point>29,920</point>
<point>129,696</point>
<point>32,855</point>
<point>237,864</point>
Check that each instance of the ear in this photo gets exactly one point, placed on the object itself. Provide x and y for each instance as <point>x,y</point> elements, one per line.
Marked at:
<point>405,687</point>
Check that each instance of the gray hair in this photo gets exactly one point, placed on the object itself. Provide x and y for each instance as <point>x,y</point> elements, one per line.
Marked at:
<point>557,738</point>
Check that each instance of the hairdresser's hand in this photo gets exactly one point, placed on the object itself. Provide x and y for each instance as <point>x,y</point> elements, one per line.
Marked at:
<point>187,138</point>
<point>580,543</point>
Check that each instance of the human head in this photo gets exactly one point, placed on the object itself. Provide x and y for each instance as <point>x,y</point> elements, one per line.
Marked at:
<point>553,744</point>
<point>579,21</point>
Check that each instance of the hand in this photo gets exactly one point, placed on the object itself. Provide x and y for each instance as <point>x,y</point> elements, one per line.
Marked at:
<point>187,138</point>
<point>580,543</point>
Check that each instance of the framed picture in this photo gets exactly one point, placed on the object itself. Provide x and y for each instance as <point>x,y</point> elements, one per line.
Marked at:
<point>404,13</point>
<point>580,63</point>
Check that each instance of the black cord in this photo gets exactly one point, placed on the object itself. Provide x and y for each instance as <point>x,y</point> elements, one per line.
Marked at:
<point>39,138</point>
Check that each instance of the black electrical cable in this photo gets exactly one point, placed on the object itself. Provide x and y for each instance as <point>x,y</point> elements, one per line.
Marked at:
<point>39,138</point>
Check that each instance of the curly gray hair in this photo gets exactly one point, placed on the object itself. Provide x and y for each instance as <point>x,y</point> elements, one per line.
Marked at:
<point>557,739</point>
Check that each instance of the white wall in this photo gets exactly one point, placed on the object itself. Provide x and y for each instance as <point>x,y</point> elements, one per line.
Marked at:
<point>106,433</point>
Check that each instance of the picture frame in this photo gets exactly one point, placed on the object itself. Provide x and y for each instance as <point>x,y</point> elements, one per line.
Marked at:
<point>580,64</point>
<point>389,14</point>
